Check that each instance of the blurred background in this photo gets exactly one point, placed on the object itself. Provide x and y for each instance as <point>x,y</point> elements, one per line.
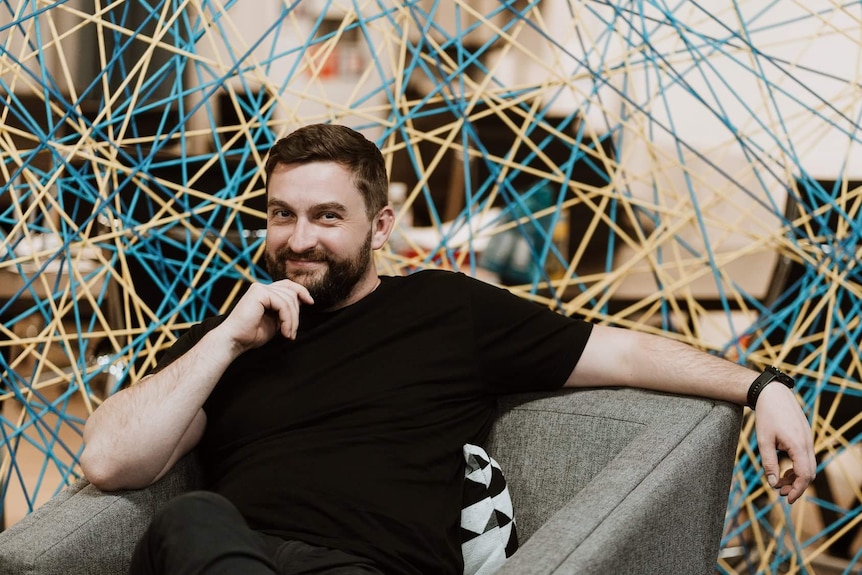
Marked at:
<point>691,169</point>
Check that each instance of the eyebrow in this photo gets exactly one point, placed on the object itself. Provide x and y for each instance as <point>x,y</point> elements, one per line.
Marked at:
<point>330,207</point>
<point>325,206</point>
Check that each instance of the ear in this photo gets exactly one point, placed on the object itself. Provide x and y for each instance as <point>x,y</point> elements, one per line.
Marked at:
<point>382,226</point>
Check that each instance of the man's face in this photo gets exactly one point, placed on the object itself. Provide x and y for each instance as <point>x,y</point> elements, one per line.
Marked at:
<point>318,232</point>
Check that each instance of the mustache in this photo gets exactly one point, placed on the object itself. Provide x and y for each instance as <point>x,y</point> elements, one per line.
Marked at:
<point>312,255</point>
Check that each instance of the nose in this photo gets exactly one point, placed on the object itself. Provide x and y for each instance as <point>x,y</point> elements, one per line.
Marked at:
<point>302,237</point>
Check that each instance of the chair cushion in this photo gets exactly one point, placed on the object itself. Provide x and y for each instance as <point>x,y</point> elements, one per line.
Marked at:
<point>488,534</point>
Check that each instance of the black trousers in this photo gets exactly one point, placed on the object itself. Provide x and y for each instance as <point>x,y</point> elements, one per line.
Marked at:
<point>203,533</point>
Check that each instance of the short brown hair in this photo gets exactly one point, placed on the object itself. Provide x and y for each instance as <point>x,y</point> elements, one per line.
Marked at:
<point>340,144</point>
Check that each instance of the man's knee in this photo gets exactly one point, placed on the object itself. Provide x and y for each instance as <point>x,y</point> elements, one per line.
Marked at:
<point>199,530</point>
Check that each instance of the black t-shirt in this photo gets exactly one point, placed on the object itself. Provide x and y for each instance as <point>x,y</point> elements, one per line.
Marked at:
<point>350,436</point>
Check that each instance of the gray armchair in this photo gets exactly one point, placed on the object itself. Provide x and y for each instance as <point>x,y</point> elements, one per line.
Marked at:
<point>603,481</point>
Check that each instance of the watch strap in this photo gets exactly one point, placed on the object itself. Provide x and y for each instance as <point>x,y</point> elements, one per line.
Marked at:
<point>769,375</point>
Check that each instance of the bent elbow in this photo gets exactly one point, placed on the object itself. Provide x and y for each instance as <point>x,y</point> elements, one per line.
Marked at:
<point>95,471</point>
<point>103,473</point>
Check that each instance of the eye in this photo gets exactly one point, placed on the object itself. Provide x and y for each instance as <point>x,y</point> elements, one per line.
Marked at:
<point>329,216</point>
<point>280,213</point>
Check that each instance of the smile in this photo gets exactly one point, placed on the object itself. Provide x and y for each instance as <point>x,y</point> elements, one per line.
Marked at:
<point>302,263</point>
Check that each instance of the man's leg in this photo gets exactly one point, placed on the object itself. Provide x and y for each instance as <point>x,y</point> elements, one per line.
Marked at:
<point>299,558</point>
<point>200,532</point>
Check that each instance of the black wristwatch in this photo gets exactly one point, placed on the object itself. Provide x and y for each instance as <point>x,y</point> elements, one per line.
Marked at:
<point>769,375</point>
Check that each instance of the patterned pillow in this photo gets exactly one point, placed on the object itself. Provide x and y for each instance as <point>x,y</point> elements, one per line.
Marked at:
<point>488,534</point>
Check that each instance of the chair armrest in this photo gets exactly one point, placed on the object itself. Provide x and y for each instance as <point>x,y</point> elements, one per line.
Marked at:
<point>657,506</point>
<point>84,531</point>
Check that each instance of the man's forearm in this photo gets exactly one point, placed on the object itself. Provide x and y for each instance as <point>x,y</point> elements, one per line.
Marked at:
<point>136,435</point>
<point>616,357</point>
<point>632,359</point>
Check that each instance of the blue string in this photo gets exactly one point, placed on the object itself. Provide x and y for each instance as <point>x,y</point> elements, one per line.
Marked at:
<point>192,83</point>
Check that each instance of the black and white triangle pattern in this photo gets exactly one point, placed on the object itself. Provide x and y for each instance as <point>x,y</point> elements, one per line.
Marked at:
<point>488,534</point>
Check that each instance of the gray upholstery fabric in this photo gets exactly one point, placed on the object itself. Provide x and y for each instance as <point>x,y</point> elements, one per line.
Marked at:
<point>641,483</point>
<point>83,531</point>
<point>603,481</point>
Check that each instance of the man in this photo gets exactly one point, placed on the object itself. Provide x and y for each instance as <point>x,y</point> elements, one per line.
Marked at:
<point>329,407</point>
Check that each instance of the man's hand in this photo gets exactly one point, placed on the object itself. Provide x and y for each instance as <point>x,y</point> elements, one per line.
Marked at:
<point>781,426</point>
<point>167,407</point>
<point>265,310</point>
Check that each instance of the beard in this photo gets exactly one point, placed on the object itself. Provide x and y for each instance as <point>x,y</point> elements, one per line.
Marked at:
<point>329,286</point>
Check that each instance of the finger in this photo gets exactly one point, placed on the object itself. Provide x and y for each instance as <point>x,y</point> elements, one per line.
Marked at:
<point>304,294</point>
<point>282,304</point>
<point>798,478</point>
<point>288,315</point>
<point>792,485</point>
<point>788,478</point>
<point>292,294</point>
<point>769,461</point>
<point>300,290</point>
<point>795,490</point>
<point>803,468</point>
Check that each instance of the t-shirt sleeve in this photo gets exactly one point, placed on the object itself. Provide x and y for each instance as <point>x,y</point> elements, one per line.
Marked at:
<point>521,345</point>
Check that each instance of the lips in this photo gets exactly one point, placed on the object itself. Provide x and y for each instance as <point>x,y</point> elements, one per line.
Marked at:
<point>301,263</point>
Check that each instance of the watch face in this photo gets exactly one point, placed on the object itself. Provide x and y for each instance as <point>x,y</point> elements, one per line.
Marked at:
<point>781,376</point>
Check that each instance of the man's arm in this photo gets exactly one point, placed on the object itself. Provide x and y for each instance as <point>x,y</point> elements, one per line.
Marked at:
<point>620,357</point>
<point>138,434</point>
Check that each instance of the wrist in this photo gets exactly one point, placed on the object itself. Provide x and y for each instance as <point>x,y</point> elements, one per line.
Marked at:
<point>221,340</point>
<point>770,376</point>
